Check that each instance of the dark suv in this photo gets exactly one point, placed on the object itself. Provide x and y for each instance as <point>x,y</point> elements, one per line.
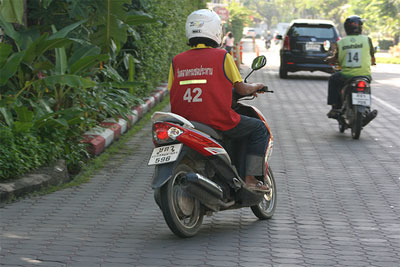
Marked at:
<point>305,46</point>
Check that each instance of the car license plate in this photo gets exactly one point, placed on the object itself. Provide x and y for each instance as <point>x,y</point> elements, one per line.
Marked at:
<point>165,154</point>
<point>361,99</point>
<point>313,46</point>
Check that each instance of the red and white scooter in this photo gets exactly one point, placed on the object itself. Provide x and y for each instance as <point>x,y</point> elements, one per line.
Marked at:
<point>198,172</point>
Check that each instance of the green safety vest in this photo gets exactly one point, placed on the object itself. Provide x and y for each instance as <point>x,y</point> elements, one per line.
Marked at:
<point>354,55</point>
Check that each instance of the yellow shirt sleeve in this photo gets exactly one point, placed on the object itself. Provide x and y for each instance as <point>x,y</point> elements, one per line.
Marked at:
<point>231,71</point>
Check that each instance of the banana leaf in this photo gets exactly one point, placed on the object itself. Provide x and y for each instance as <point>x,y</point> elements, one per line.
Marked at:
<point>9,31</point>
<point>12,10</point>
<point>69,80</point>
<point>5,51</point>
<point>83,51</point>
<point>11,66</point>
<point>64,31</point>
<point>87,62</point>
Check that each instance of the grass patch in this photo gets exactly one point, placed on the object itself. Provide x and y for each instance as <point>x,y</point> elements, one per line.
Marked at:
<point>98,162</point>
<point>388,60</point>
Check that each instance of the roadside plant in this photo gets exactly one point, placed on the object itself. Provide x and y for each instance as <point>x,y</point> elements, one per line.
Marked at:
<point>66,65</point>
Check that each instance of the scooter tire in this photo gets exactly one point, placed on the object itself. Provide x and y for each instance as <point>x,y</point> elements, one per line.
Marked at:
<point>356,124</point>
<point>342,127</point>
<point>266,208</point>
<point>175,209</point>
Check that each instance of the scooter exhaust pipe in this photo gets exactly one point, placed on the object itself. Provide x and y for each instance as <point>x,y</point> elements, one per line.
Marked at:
<point>206,191</point>
<point>369,117</point>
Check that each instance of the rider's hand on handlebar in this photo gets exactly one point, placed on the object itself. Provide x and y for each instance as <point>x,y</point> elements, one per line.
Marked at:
<point>259,89</point>
<point>247,89</point>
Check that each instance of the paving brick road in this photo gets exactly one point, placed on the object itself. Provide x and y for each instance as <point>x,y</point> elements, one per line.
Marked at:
<point>338,200</point>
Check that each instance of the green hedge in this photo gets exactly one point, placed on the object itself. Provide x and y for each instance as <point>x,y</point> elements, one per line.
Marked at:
<point>158,43</point>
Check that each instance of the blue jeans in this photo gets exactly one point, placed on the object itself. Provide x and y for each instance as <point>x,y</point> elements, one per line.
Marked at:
<point>257,136</point>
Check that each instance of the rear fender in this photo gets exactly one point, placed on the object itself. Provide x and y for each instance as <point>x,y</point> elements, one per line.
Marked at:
<point>362,109</point>
<point>163,172</point>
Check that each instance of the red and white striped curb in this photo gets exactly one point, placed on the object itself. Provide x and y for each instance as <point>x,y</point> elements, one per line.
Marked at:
<point>100,137</point>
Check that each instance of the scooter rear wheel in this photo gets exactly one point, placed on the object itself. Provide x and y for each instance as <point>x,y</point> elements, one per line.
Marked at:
<point>182,213</point>
<point>356,124</point>
<point>266,208</point>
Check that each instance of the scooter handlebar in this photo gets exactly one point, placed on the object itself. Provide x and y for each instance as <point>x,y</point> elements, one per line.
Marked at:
<point>264,90</point>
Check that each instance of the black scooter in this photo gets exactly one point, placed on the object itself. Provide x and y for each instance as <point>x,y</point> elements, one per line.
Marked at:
<point>355,112</point>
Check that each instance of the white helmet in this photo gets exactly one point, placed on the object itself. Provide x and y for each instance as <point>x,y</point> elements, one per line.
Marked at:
<point>204,23</point>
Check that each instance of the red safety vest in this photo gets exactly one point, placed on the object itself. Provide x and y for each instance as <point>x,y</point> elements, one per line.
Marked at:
<point>201,91</point>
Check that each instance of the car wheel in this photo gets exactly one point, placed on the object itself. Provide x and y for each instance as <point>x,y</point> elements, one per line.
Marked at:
<point>283,73</point>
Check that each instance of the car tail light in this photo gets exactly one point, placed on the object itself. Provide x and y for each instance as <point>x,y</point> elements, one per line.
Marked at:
<point>286,43</point>
<point>361,86</point>
<point>338,39</point>
<point>164,133</point>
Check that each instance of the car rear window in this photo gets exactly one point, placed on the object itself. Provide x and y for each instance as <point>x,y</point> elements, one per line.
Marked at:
<point>313,31</point>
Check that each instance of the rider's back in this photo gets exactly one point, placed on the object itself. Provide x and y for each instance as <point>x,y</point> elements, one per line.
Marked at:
<point>354,55</point>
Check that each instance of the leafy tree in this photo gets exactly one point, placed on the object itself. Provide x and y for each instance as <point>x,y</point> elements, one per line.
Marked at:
<point>382,16</point>
<point>238,17</point>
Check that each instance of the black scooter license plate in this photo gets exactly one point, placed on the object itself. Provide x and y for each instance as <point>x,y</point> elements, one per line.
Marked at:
<point>361,99</point>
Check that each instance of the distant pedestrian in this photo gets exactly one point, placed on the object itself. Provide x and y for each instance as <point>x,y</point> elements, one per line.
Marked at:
<point>228,41</point>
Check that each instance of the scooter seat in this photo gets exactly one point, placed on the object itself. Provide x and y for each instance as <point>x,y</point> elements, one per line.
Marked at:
<point>207,129</point>
<point>366,78</point>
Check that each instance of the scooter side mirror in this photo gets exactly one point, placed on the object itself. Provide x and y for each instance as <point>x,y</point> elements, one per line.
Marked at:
<point>259,62</point>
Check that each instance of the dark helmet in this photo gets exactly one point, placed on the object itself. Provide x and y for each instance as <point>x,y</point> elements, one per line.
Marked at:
<point>353,25</point>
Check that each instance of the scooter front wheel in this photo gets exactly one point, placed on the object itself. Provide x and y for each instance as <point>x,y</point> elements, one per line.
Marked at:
<point>182,212</point>
<point>342,127</point>
<point>266,208</point>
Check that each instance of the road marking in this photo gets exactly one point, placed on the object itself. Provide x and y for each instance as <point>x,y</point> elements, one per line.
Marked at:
<point>391,82</point>
<point>386,104</point>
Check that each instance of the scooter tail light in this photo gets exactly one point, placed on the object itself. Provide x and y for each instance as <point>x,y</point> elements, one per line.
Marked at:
<point>164,133</point>
<point>361,86</point>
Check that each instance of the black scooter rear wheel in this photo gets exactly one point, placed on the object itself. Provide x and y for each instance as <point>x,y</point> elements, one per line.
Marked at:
<point>356,124</point>
<point>182,213</point>
<point>266,208</point>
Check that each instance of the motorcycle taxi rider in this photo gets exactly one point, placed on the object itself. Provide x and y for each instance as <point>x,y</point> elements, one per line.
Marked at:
<point>200,83</point>
<point>354,54</point>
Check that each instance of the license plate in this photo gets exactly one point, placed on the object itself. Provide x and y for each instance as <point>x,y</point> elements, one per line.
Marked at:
<point>313,47</point>
<point>361,99</point>
<point>165,154</point>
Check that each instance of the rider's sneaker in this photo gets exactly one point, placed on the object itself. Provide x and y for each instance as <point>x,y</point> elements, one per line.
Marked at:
<point>333,114</point>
